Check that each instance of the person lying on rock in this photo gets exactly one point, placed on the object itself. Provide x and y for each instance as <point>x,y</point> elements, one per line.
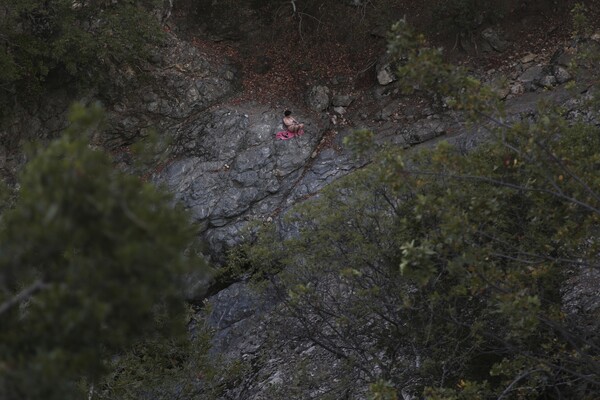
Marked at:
<point>290,123</point>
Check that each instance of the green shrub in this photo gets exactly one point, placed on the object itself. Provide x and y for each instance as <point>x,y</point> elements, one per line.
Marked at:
<point>464,16</point>
<point>66,42</point>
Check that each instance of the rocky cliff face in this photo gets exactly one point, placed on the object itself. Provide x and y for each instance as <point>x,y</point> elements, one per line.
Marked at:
<point>248,326</point>
<point>228,169</point>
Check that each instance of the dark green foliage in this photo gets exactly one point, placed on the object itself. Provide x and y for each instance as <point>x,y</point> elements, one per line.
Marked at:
<point>466,16</point>
<point>448,272</point>
<point>424,72</point>
<point>159,368</point>
<point>90,262</point>
<point>52,42</point>
<point>581,23</point>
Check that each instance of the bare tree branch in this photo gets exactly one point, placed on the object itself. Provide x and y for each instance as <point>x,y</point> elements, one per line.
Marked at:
<point>508,185</point>
<point>22,296</point>
<point>516,380</point>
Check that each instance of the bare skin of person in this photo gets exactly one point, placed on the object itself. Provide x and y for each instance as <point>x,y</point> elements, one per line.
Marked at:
<point>290,123</point>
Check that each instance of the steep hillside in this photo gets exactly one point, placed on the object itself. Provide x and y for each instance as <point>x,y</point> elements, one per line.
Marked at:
<point>285,47</point>
<point>333,318</point>
<point>358,260</point>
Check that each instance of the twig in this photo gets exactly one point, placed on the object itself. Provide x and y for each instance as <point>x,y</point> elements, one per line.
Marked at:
<point>371,63</point>
<point>22,296</point>
<point>311,16</point>
<point>496,182</point>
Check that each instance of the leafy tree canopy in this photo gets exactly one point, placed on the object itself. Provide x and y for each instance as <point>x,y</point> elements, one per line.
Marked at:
<point>72,39</point>
<point>90,263</point>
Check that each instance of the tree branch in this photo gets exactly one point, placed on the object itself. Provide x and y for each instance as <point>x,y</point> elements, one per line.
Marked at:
<point>516,380</point>
<point>508,185</point>
<point>22,296</point>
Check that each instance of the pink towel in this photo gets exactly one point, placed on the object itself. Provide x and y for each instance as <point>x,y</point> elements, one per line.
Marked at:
<point>285,135</point>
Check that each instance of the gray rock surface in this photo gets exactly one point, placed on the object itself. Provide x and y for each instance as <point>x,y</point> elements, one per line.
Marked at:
<point>339,110</point>
<point>341,100</point>
<point>317,98</point>
<point>185,82</point>
<point>385,71</point>
<point>250,328</point>
<point>531,77</point>
<point>495,39</point>
<point>233,310</point>
<point>232,170</point>
<point>562,74</point>
<point>562,58</point>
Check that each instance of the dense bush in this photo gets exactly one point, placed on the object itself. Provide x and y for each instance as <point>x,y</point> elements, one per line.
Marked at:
<point>66,42</point>
<point>464,16</point>
<point>453,275</point>
<point>90,264</point>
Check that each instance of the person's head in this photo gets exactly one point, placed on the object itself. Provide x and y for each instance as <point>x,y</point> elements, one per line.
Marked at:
<point>287,113</point>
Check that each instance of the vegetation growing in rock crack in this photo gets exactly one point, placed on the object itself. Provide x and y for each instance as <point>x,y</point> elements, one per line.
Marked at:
<point>450,274</point>
<point>454,272</point>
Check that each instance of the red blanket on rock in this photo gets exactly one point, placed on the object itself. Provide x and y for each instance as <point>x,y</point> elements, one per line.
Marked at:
<point>285,135</point>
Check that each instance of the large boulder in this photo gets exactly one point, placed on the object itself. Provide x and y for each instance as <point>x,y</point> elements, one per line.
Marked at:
<point>385,70</point>
<point>495,39</point>
<point>317,98</point>
<point>562,57</point>
<point>532,77</point>
<point>562,74</point>
<point>424,130</point>
<point>341,100</point>
<point>548,81</point>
